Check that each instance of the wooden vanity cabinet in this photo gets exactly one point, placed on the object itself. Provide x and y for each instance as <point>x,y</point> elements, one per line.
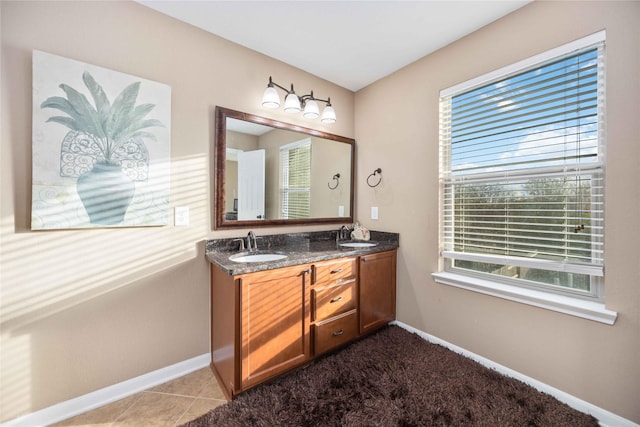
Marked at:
<point>269,322</point>
<point>333,303</point>
<point>377,273</point>
<point>274,324</point>
<point>260,325</point>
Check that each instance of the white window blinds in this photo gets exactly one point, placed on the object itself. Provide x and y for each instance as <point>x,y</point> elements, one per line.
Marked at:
<point>522,171</point>
<point>295,180</point>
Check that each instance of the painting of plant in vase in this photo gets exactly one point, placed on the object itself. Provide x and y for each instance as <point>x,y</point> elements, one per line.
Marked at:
<point>101,147</point>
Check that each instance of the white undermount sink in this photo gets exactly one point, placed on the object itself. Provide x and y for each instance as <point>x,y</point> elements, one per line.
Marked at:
<point>256,257</point>
<point>358,244</point>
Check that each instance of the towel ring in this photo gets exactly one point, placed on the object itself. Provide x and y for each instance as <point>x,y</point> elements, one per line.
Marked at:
<point>377,171</point>
<point>336,178</point>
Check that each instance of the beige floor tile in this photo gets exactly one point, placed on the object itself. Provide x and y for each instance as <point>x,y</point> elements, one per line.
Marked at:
<point>188,385</point>
<point>155,410</point>
<point>171,403</point>
<point>199,408</point>
<point>212,390</point>
<point>101,416</point>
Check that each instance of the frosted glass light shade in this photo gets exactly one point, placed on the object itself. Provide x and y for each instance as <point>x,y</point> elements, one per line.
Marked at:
<point>311,110</point>
<point>308,104</point>
<point>328,115</point>
<point>292,103</point>
<point>270,99</point>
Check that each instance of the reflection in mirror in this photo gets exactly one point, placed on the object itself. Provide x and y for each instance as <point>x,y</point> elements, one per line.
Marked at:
<point>273,173</point>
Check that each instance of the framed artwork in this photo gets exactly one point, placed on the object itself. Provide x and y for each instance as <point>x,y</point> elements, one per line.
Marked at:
<point>101,147</point>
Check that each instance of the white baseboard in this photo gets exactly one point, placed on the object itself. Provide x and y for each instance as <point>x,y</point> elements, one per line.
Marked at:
<point>606,418</point>
<point>104,396</point>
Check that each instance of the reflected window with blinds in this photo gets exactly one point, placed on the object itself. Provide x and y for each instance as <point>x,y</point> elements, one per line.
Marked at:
<point>522,173</point>
<point>295,179</point>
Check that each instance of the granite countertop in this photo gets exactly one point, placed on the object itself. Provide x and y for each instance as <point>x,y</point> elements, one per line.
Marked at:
<point>300,248</point>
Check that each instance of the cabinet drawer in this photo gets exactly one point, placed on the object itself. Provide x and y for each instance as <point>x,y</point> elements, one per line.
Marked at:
<point>331,300</point>
<point>331,271</point>
<point>335,332</point>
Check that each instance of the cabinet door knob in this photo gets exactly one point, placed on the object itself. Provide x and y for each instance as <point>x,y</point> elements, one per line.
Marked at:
<point>364,259</point>
<point>308,271</point>
<point>336,271</point>
<point>336,300</point>
<point>338,333</point>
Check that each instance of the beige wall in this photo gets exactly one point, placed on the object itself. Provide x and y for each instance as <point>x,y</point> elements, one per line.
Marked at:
<point>231,184</point>
<point>327,158</point>
<point>85,309</point>
<point>239,141</point>
<point>397,130</point>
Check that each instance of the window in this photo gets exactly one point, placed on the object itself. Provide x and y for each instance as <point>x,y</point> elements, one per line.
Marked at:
<point>295,180</point>
<point>522,173</point>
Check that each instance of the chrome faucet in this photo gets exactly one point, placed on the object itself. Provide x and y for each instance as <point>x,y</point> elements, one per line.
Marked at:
<point>241,243</point>
<point>252,242</point>
<point>343,233</point>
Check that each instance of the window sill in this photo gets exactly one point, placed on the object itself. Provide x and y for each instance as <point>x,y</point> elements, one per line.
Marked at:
<point>564,304</point>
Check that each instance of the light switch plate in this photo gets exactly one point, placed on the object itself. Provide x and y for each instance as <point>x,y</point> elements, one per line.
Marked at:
<point>181,216</point>
<point>374,212</point>
<point>341,210</point>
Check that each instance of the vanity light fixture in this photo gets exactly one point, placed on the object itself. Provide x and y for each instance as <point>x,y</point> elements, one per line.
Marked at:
<point>308,104</point>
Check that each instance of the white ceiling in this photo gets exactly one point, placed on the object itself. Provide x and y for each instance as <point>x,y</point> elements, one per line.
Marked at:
<point>350,43</point>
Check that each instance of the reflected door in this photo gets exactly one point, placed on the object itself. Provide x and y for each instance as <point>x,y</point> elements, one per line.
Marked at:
<point>251,185</point>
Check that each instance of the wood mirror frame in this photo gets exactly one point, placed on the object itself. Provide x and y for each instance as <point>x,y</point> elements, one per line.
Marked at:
<point>220,150</point>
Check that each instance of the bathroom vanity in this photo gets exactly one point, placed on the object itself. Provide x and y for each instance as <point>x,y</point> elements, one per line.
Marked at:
<point>269,317</point>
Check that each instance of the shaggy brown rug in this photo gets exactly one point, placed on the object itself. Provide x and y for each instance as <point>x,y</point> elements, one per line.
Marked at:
<point>394,378</point>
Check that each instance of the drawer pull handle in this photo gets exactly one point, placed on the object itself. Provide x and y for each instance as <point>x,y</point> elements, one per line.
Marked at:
<point>336,300</point>
<point>336,271</point>
<point>338,333</point>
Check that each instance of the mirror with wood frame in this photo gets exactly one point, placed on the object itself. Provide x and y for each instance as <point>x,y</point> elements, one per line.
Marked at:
<point>270,173</point>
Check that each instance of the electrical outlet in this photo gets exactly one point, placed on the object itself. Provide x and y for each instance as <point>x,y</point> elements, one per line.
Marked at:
<point>181,216</point>
<point>374,212</point>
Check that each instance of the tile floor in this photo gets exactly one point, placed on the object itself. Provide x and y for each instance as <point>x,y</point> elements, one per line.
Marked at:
<point>169,404</point>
